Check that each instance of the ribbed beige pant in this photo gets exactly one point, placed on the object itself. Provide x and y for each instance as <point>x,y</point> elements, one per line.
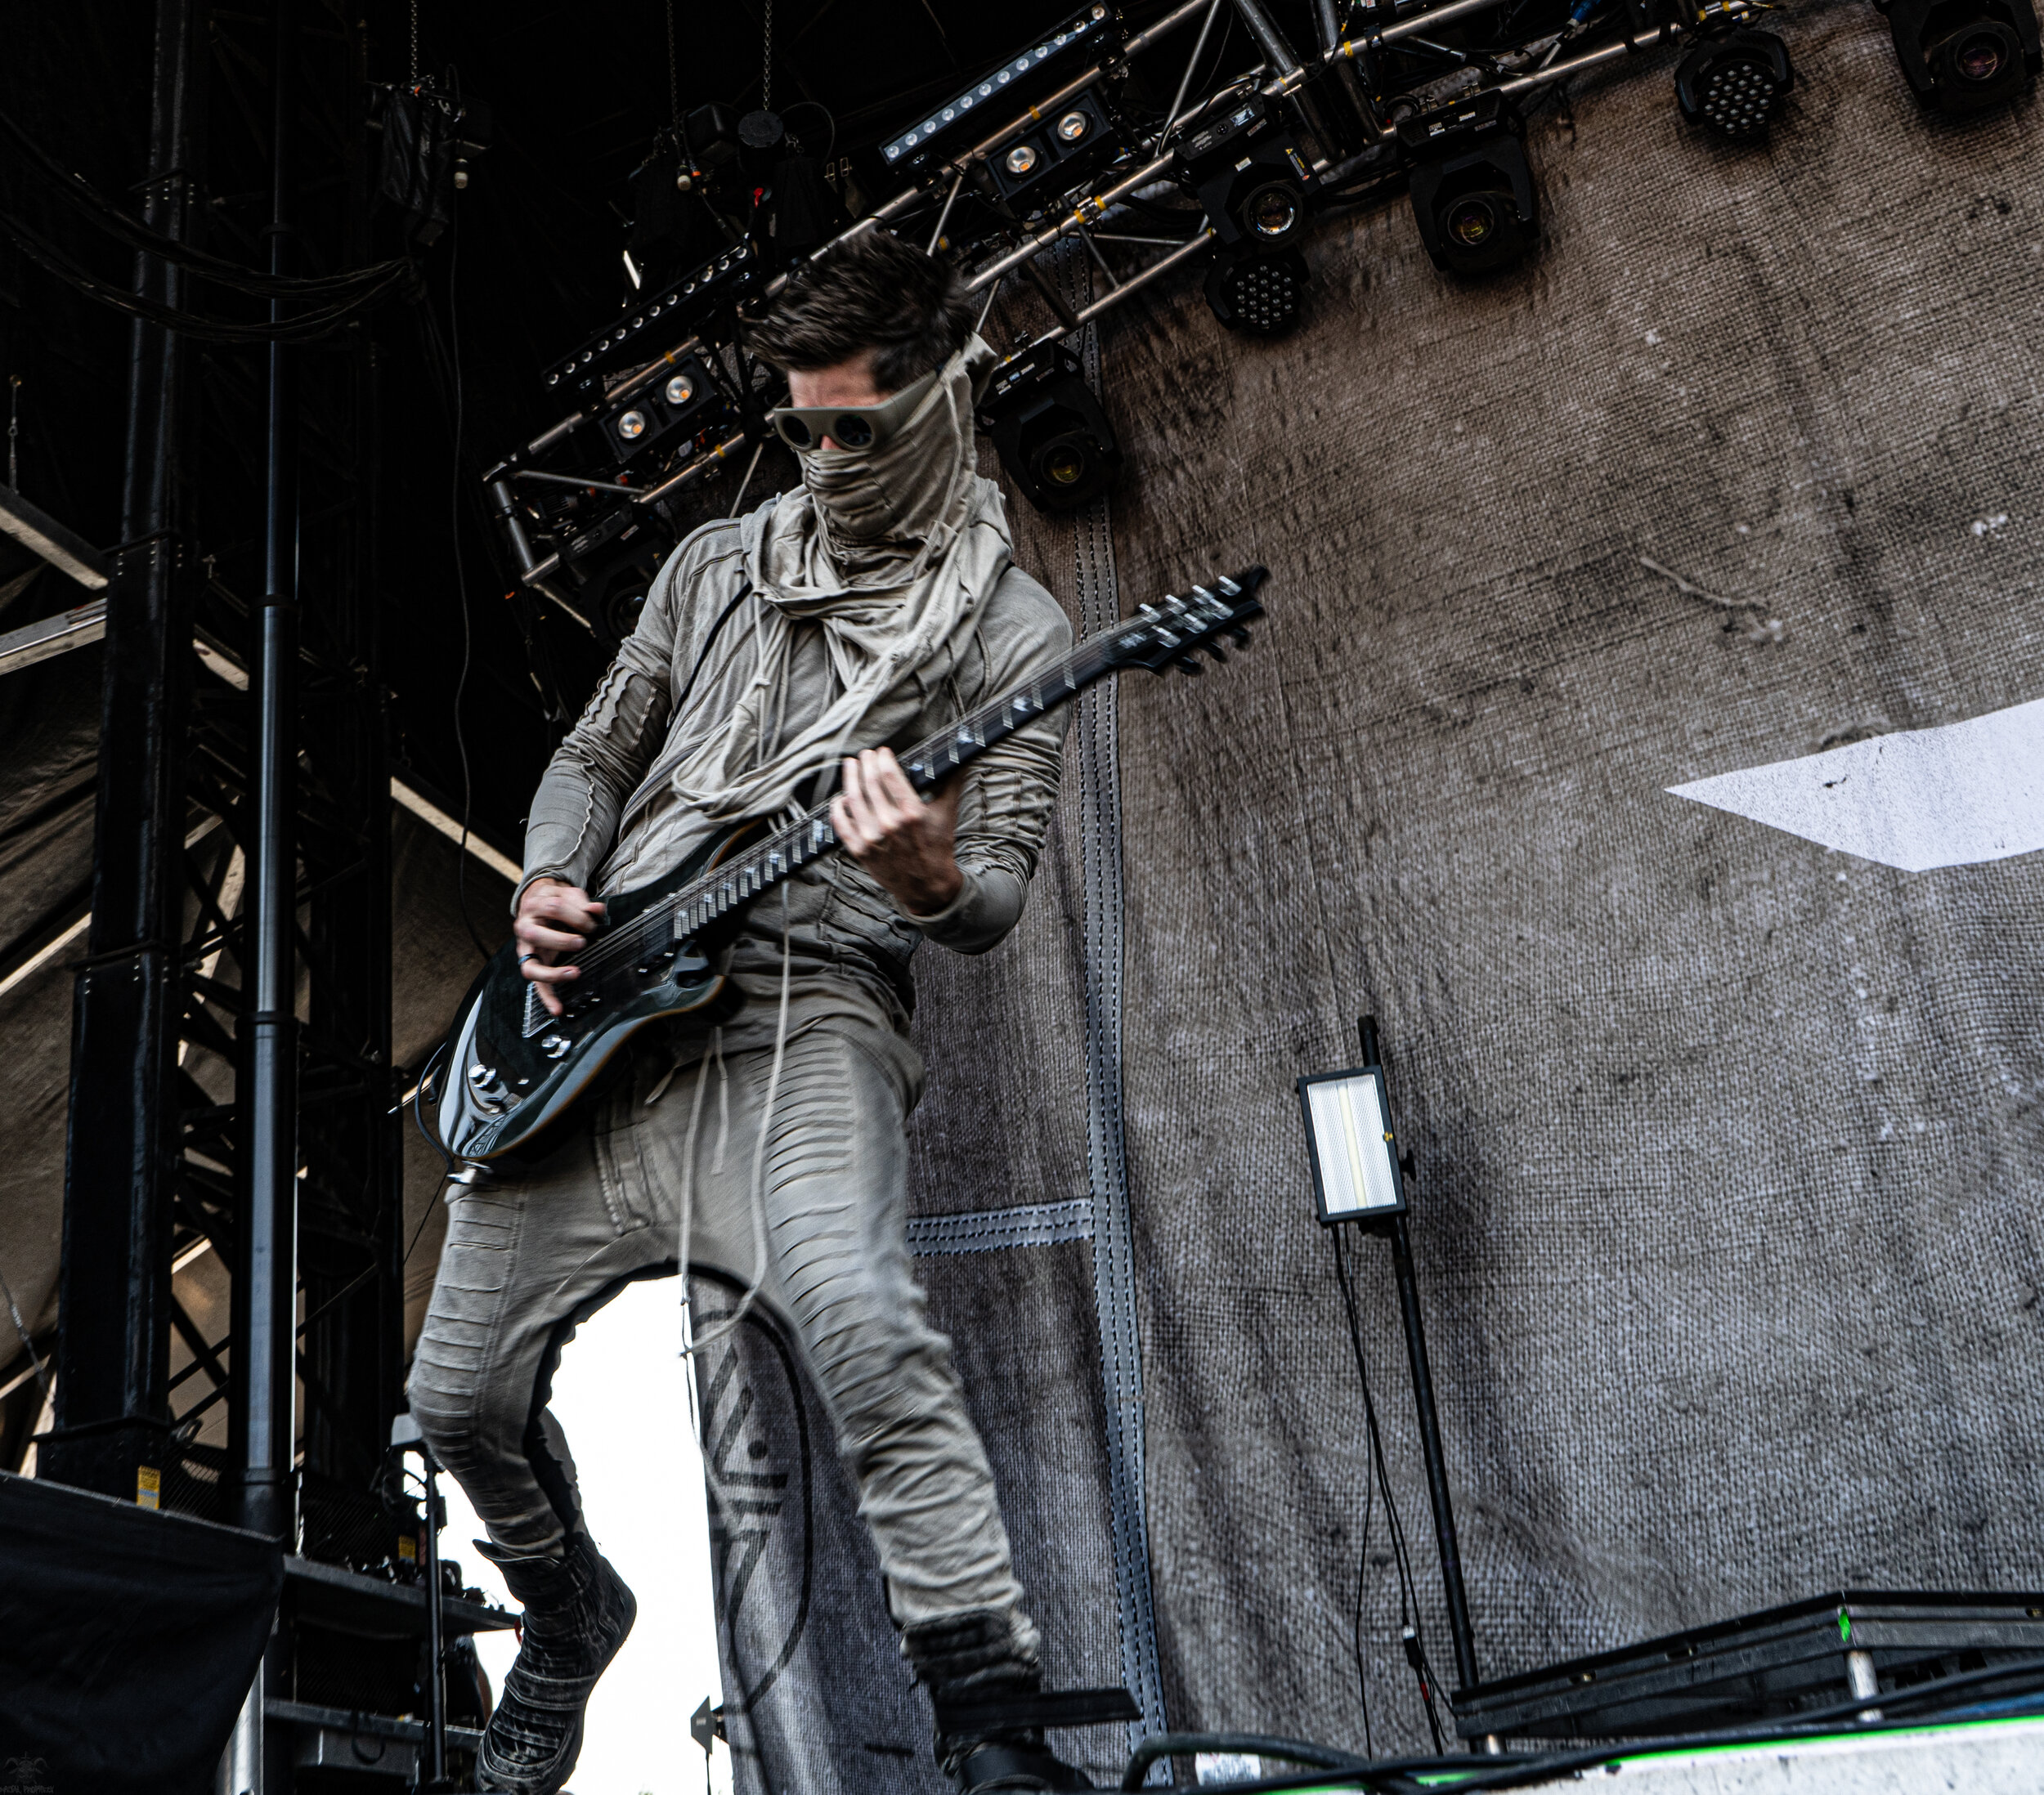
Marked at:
<point>527,1258</point>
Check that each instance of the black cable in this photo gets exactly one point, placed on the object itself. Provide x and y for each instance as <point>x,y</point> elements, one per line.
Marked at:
<point>461,593</point>
<point>311,326</point>
<point>420,1093</point>
<point>1408,1591</point>
<point>100,211</point>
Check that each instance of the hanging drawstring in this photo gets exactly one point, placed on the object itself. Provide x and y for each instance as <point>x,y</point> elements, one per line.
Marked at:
<point>760,1247</point>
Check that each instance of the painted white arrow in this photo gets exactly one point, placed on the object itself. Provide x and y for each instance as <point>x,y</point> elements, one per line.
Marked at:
<point>1921,797</point>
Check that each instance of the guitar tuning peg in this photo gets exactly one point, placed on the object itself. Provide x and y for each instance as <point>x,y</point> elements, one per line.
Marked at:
<point>1190,664</point>
<point>1239,636</point>
<point>1219,653</point>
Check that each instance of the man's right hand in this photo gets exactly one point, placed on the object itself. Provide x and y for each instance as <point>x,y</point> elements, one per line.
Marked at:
<point>553,920</point>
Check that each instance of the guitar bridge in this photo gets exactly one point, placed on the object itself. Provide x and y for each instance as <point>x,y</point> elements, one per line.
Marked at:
<point>536,1019</point>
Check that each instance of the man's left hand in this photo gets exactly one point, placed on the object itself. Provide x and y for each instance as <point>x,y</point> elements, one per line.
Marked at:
<point>904,842</point>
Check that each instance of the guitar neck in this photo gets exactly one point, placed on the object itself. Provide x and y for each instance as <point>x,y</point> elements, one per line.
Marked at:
<point>1158,638</point>
<point>928,765</point>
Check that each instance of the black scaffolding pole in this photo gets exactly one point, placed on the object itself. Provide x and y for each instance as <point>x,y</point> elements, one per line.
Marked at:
<point>112,1428</point>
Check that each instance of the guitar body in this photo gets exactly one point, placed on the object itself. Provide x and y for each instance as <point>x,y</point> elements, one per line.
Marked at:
<point>516,1076</point>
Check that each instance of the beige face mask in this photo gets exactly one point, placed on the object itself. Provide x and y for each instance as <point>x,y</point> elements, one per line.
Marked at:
<point>901,491</point>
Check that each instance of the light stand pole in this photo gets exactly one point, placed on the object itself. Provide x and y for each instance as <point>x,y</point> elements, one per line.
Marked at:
<point>1444,1513</point>
<point>1357,1178</point>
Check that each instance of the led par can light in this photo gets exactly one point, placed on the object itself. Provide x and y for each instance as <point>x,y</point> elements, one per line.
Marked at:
<point>1049,429</point>
<point>1471,188</point>
<point>1733,85</point>
<point>1965,56</point>
<point>1258,295</point>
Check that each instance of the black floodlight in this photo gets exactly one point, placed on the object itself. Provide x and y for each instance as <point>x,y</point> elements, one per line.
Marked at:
<point>1066,147</point>
<point>1733,85</point>
<point>1247,173</point>
<point>1963,56</point>
<point>684,398</point>
<point>1349,1139</point>
<point>987,105</point>
<point>1260,296</point>
<point>1471,190</point>
<point>1049,429</point>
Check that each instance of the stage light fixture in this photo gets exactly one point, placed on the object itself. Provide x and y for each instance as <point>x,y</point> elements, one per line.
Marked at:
<point>1733,85</point>
<point>1248,174</point>
<point>973,113</point>
<point>688,401</point>
<point>1049,429</point>
<point>1259,295</point>
<point>1471,190</point>
<point>1053,158</point>
<point>1349,1140</point>
<point>1963,56</point>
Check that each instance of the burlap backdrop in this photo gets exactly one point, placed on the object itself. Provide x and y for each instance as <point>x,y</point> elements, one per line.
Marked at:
<point>1727,1145</point>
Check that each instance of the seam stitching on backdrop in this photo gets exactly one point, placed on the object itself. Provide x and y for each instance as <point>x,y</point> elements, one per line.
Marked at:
<point>1114,1250</point>
<point>985,1230</point>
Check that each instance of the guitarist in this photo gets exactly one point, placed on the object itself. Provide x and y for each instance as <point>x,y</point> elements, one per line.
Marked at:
<point>865,608</point>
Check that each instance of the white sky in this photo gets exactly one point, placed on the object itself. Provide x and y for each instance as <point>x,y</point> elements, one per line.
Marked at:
<point>621,1394</point>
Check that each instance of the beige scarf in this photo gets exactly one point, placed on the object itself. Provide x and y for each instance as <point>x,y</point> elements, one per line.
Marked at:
<point>890,553</point>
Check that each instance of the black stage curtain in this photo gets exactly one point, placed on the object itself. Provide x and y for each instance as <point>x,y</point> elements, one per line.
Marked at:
<point>127,1640</point>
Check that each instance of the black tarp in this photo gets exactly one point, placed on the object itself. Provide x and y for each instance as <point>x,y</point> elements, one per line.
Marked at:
<point>127,1640</point>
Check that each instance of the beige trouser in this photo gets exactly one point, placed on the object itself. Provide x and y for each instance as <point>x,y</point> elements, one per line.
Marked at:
<point>527,1258</point>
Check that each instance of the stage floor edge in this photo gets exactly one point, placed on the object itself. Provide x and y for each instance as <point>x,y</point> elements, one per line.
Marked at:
<point>1988,1756</point>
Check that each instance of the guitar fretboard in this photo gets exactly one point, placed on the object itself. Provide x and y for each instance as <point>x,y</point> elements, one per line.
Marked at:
<point>1153,637</point>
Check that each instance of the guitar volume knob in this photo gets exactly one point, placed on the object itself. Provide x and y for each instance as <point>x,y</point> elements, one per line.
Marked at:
<point>554,1046</point>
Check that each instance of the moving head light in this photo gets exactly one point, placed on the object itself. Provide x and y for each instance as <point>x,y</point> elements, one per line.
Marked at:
<point>1963,56</point>
<point>1049,429</point>
<point>1733,85</point>
<point>1246,171</point>
<point>1471,190</point>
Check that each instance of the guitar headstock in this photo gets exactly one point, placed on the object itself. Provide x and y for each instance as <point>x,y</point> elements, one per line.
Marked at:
<point>1173,632</point>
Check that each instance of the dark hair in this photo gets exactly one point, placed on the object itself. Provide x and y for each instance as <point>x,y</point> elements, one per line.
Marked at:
<point>872,291</point>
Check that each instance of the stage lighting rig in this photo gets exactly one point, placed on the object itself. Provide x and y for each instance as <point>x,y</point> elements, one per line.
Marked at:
<point>1092,32</point>
<point>1965,56</point>
<point>1733,85</point>
<point>708,290</point>
<point>1472,189</point>
<point>1049,429</point>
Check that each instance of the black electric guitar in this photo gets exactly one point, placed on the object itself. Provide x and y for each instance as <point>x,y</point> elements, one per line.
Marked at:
<point>513,1071</point>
